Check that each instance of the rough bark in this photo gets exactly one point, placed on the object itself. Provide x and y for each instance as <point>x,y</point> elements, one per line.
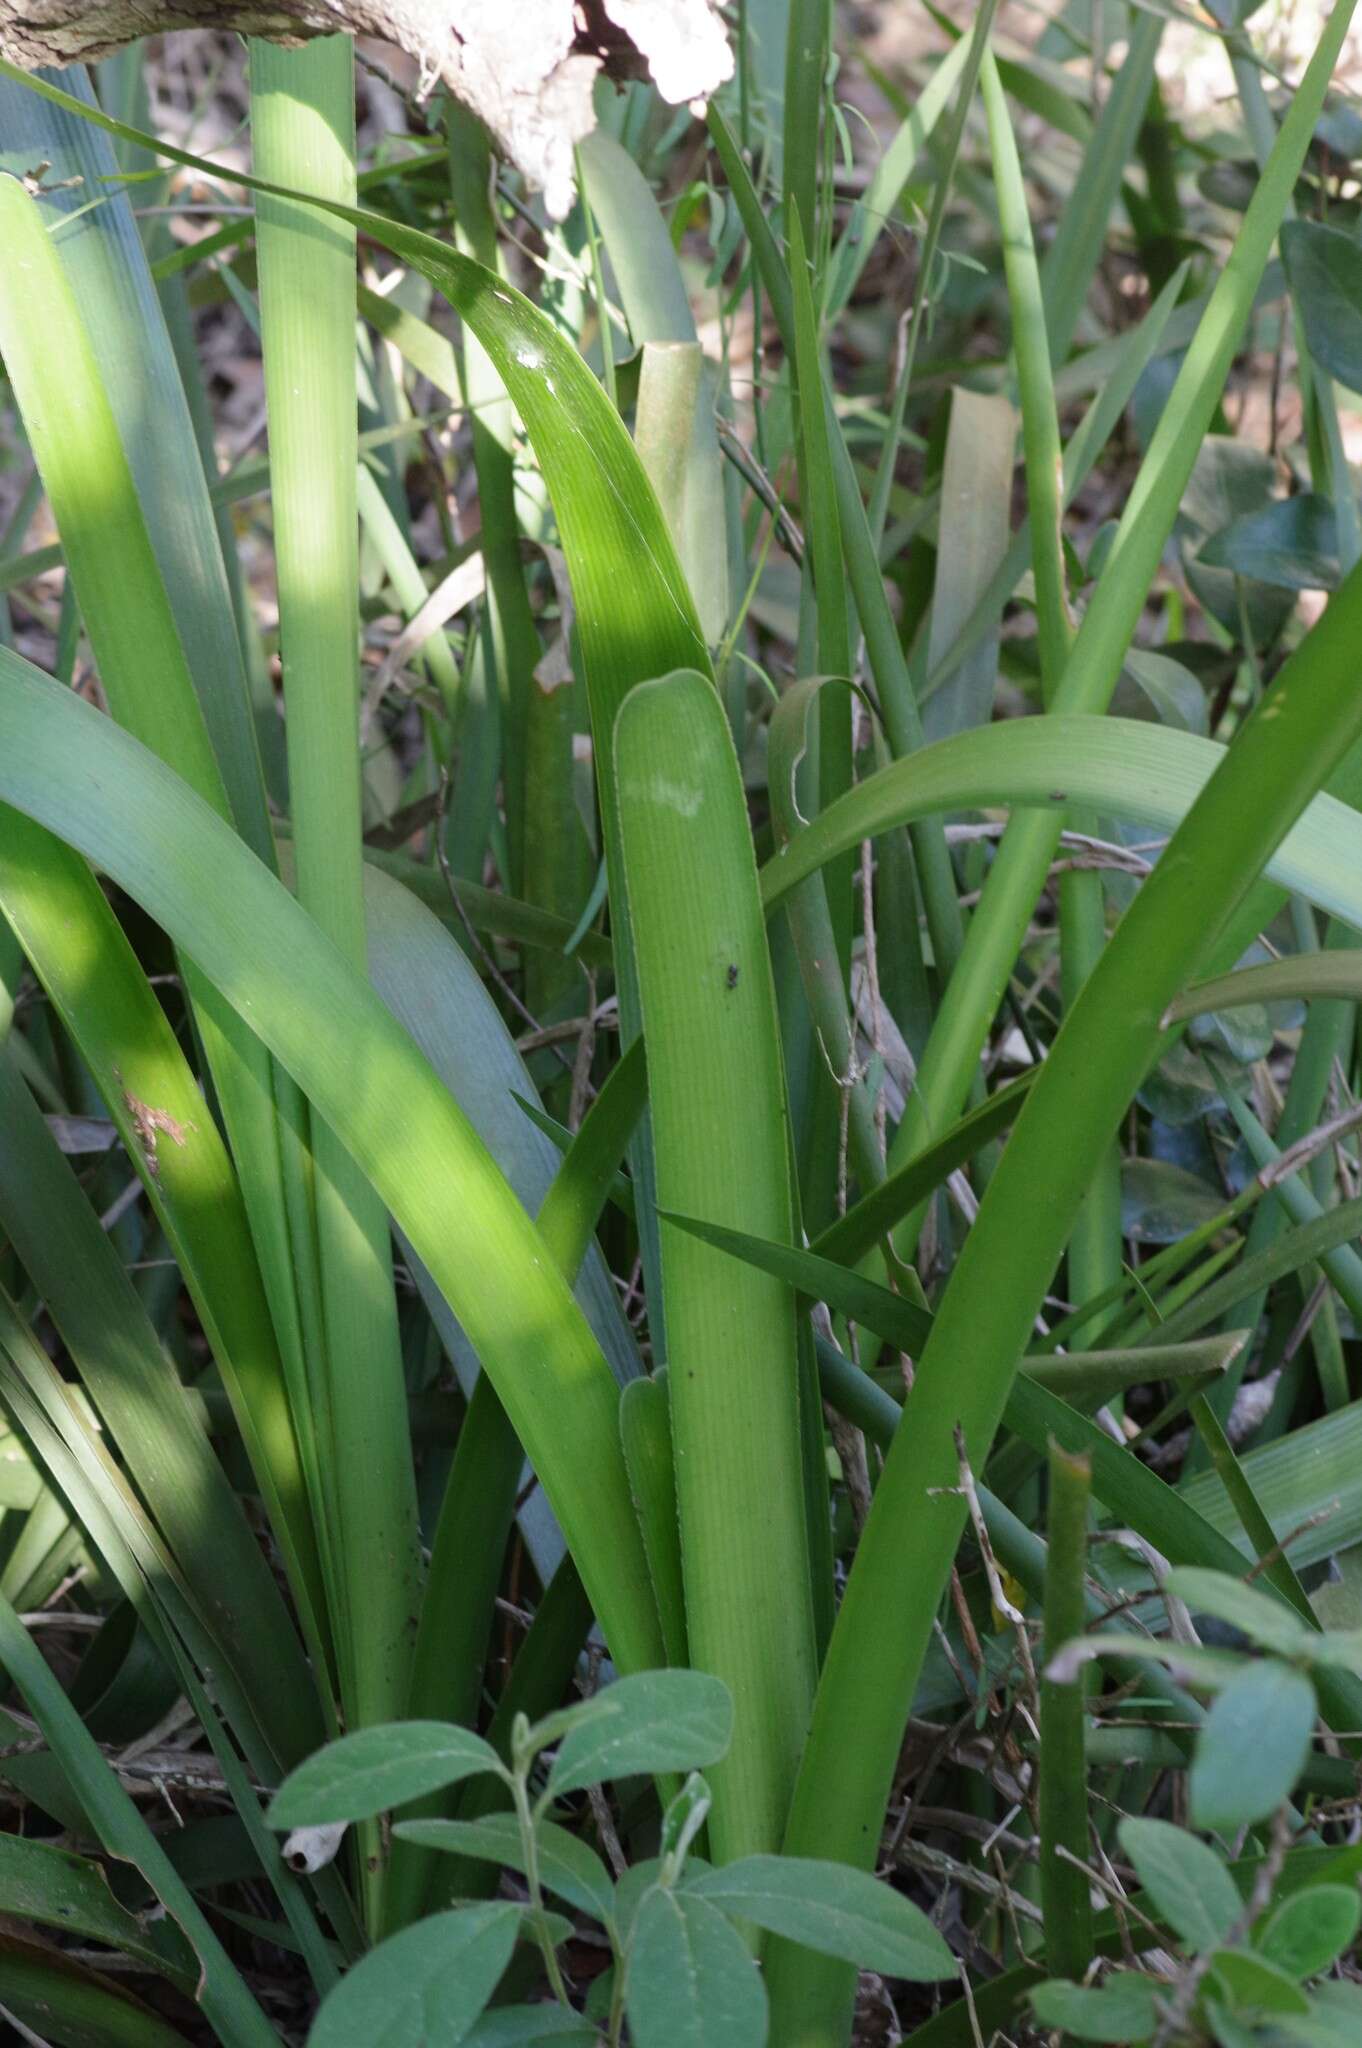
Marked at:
<point>525,67</point>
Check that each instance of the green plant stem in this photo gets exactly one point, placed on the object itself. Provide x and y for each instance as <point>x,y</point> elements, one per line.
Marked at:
<point>1063,1775</point>
<point>520,1796</point>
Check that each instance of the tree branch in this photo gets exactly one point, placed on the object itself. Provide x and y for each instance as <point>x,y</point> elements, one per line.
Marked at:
<point>525,67</point>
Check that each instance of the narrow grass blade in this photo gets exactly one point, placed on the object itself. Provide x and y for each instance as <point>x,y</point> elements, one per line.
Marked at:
<point>141,661</point>
<point>133,1384</point>
<point>1277,1567</point>
<point>1072,258</point>
<point>80,953</point>
<point>302,120</point>
<point>1130,768</point>
<point>976,505</point>
<point>873,212</point>
<point>888,664</point>
<point>998,926</point>
<point>964,1375</point>
<point>102,254</point>
<point>226,2001</point>
<point>645,1430</point>
<point>1094,1256</point>
<point>139,822</point>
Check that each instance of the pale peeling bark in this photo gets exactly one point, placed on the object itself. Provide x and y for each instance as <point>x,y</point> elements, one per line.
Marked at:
<point>526,67</point>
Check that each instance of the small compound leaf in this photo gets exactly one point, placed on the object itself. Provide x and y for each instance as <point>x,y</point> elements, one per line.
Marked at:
<point>832,1908</point>
<point>1252,1746</point>
<point>656,1721</point>
<point>1123,2009</point>
<point>1187,1884</point>
<point>378,1768</point>
<point>424,1987</point>
<point>692,1982</point>
<point>1311,1929</point>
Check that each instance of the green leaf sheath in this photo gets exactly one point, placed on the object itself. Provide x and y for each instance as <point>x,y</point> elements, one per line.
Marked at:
<point>716,1086</point>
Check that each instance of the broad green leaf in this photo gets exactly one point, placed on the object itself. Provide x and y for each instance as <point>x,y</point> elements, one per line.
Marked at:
<point>1161,1202</point>
<point>566,1865</point>
<point>1172,690</point>
<point>1311,1929</point>
<point>379,1768</point>
<point>1335,2016</point>
<point>1190,1663</point>
<point>1187,1883</point>
<point>529,2026</point>
<point>1253,1985</point>
<point>828,1906</point>
<point>51,1887</point>
<point>716,1089</point>
<point>1266,1714</point>
<point>1121,2009</point>
<point>1324,267</point>
<point>423,1988</point>
<point>692,1982</point>
<point>1292,543</point>
<point>656,1721</point>
<point>1263,1618</point>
